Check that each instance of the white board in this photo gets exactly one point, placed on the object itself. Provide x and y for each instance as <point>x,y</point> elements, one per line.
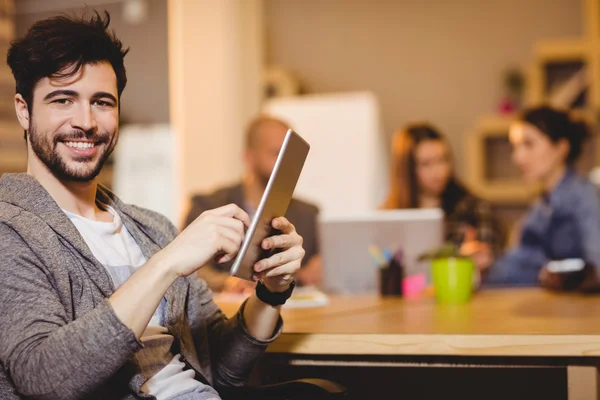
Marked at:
<point>346,169</point>
<point>145,170</point>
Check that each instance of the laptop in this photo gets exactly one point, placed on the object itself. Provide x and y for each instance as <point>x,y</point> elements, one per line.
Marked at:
<point>345,240</point>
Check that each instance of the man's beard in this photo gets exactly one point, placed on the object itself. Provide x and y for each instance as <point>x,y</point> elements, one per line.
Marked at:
<point>47,152</point>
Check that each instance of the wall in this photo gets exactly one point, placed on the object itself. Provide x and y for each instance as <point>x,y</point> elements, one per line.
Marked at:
<point>146,97</point>
<point>437,60</point>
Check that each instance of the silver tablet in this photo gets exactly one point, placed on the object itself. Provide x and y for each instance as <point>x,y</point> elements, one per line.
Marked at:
<point>273,204</point>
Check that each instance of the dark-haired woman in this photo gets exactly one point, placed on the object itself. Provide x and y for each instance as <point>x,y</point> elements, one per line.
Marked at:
<point>564,224</point>
<point>422,177</point>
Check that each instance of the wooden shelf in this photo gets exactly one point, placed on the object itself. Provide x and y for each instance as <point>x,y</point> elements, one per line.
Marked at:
<point>545,77</point>
<point>506,193</point>
<point>589,115</point>
<point>494,124</point>
<point>500,191</point>
<point>585,49</point>
<point>561,50</point>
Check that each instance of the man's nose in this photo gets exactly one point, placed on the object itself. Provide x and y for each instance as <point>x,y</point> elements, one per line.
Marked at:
<point>84,119</point>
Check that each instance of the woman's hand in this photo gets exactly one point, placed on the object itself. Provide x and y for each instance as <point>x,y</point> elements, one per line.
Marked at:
<point>551,280</point>
<point>480,252</point>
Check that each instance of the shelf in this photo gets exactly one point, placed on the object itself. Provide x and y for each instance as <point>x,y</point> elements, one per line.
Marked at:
<point>562,83</point>
<point>589,115</point>
<point>560,50</point>
<point>584,52</point>
<point>506,192</point>
<point>496,191</point>
<point>494,124</point>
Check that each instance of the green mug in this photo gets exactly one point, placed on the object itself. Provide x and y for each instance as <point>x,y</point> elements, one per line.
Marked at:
<point>452,279</point>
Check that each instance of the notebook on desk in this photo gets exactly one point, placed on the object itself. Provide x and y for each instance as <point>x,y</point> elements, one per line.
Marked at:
<point>346,239</point>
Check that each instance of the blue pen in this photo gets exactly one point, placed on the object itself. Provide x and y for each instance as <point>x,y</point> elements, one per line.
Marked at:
<point>387,254</point>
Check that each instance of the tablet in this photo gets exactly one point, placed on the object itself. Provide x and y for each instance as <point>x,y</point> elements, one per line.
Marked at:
<point>274,203</point>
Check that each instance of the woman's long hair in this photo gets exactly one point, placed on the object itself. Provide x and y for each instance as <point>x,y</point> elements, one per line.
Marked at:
<point>404,187</point>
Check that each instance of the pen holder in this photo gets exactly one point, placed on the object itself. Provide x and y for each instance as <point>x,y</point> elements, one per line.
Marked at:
<point>390,279</point>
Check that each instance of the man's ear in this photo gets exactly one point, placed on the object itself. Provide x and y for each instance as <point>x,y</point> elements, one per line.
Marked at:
<point>22,111</point>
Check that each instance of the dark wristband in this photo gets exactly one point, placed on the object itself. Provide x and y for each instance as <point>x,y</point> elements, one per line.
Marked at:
<point>273,298</point>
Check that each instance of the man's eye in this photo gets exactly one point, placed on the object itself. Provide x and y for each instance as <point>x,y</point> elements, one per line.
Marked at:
<point>62,101</point>
<point>102,103</point>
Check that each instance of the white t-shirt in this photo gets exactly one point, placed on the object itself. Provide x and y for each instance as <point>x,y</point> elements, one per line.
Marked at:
<point>117,250</point>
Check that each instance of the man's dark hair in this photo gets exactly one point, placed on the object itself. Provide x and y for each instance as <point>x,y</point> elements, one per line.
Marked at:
<point>58,47</point>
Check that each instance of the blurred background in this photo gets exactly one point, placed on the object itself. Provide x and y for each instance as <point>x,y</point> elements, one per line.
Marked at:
<point>347,74</point>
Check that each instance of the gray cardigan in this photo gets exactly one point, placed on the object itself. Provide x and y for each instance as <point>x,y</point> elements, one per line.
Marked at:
<point>60,338</point>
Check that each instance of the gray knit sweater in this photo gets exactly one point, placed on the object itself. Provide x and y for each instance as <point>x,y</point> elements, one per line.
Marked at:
<point>60,338</point>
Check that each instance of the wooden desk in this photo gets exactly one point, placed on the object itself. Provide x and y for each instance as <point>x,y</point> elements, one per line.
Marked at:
<point>516,325</point>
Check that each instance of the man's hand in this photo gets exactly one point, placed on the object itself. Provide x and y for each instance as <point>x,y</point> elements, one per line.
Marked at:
<point>216,234</point>
<point>279,270</point>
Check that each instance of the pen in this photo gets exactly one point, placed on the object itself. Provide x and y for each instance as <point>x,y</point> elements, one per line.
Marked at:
<point>377,256</point>
<point>387,254</point>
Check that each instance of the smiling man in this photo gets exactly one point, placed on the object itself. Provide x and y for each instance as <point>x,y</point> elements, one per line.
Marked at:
<point>88,151</point>
<point>97,298</point>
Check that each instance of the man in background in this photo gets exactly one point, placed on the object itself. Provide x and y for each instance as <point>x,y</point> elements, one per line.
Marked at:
<point>264,137</point>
